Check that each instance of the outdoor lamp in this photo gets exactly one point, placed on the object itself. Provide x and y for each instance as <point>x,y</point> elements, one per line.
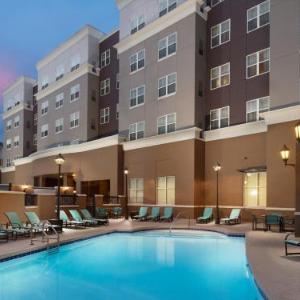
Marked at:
<point>297,132</point>
<point>217,167</point>
<point>59,160</point>
<point>126,171</point>
<point>285,154</point>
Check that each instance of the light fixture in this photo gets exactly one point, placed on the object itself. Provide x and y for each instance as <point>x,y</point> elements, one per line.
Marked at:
<point>217,167</point>
<point>59,160</point>
<point>285,154</point>
<point>126,172</point>
<point>297,132</point>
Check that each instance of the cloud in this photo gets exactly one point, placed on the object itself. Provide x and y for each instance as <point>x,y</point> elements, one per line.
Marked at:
<point>6,77</point>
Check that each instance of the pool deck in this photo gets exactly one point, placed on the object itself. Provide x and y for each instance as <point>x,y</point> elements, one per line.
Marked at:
<point>278,276</point>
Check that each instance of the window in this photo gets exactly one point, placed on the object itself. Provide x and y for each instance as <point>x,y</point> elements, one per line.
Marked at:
<point>16,141</point>
<point>219,118</point>
<point>255,189</point>
<point>75,93</point>
<point>34,139</point>
<point>220,76</point>
<point>258,16</point>
<point>44,83</point>
<point>166,6</point>
<point>35,119</point>
<point>117,81</point>
<point>105,58</point>
<point>220,34</point>
<point>75,63</point>
<point>9,162</point>
<point>258,63</point>
<point>44,130</point>
<point>8,125</point>
<point>166,124</point>
<point>167,46</point>
<point>137,61</point>
<point>215,2</point>
<point>167,85</point>
<point>137,96</point>
<point>8,144</point>
<point>105,87</point>
<point>136,131</point>
<point>104,115</point>
<point>136,190</point>
<point>255,107</point>
<point>59,100</point>
<point>60,70</point>
<point>17,121</point>
<point>165,190</point>
<point>137,24</point>
<point>59,125</point>
<point>74,119</point>
<point>44,108</point>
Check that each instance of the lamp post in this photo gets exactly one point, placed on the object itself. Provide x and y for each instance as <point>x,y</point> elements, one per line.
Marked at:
<point>126,172</point>
<point>217,168</point>
<point>59,160</point>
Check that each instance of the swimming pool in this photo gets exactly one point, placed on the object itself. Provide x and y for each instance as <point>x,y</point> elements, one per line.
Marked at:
<point>143,265</point>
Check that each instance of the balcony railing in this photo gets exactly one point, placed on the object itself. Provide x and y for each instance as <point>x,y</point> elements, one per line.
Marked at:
<point>30,200</point>
<point>68,200</point>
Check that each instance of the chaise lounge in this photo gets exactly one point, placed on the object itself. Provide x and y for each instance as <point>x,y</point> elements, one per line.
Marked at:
<point>87,215</point>
<point>206,216</point>
<point>154,216</point>
<point>291,242</point>
<point>77,217</point>
<point>18,228</point>
<point>234,218</point>
<point>168,214</point>
<point>67,222</point>
<point>101,213</point>
<point>142,215</point>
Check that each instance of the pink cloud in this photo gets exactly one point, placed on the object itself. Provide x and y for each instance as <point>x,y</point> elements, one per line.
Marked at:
<point>6,77</point>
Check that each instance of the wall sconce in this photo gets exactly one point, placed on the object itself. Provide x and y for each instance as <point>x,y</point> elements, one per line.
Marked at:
<point>285,155</point>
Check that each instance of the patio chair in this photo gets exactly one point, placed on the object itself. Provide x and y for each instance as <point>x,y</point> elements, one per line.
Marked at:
<point>154,216</point>
<point>168,214</point>
<point>18,228</point>
<point>67,222</point>
<point>206,216</point>
<point>87,215</point>
<point>234,218</point>
<point>77,217</point>
<point>3,234</point>
<point>35,222</point>
<point>272,220</point>
<point>291,242</point>
<point>101,213</point>
<point>142,215</point>
<point>116,212</point>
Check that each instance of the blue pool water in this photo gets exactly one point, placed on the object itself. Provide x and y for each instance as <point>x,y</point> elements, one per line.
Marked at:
<point>145,265</point>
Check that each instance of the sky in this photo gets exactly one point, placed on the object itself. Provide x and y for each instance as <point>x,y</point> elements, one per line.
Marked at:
<point>30,29</point>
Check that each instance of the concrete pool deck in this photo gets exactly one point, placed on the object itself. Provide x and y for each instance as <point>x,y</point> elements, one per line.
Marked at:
<point>278,276</point>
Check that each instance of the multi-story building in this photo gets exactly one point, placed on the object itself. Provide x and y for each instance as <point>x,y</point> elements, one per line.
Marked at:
<point>182,85</point>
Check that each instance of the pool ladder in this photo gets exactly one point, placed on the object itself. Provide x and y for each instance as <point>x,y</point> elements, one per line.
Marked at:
<point>46,238</point>
<point>176,218</point>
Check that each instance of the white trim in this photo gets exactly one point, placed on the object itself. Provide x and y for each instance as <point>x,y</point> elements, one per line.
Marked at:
<point>182,11</point>
<point>16,109</point>
<point>8,169</point>
<point>287,114</point>
<point>235,131</point>
<point>297,213</point>
<point>122,3</point>
<point>251,207</point>
<point>173,137</point>
<point>163,205</point>
<point>19,81</point>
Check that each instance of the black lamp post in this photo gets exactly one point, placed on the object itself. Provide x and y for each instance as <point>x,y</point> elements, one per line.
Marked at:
<point>59,160</point>
<point>126,172</point>
<point>217,169</point>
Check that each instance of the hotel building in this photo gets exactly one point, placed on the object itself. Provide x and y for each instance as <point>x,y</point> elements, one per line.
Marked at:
<point>182,85</point>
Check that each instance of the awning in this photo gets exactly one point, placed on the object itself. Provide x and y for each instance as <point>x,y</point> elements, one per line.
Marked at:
<point>254,169</point>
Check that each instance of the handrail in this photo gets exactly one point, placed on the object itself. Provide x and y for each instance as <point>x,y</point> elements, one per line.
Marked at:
<point>176,218</point>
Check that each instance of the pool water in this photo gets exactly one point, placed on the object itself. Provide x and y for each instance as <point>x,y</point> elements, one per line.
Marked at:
<point>144,265</point>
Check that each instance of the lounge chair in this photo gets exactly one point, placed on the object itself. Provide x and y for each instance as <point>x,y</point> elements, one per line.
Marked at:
<point>168,214</point>
<point>87,215</point>
<point>3,234</point>
<point>142,215</point>
<point>154,216</point>
<point>273,220</point>
<point>234,218</point>
<point>77,217</point>
<point>101,213</point>
<point>36,223</point>
<point>117,212</point>
<point>18,228</point>
<point>206,216</point>
<point>67,222</point>
<point>291,242</point>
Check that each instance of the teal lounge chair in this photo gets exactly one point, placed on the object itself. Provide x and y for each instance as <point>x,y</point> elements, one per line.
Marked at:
<point>101,213</point>
<point>206,216</point>
<point>67,222</point>
<point>36,223</point>
<point>87,215</point>
<point>77,217</point>
<point>168,214</point>
<point>142,216</point>
<point>291,242</point>
<point>272,220</point>
<point>3,234</point>
<point>18,228</point>
<point>154,216</point>
<point>234,218</point>
<point>117,212</point>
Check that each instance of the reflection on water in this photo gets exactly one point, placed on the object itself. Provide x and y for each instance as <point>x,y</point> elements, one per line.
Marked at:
<point>165,251</point>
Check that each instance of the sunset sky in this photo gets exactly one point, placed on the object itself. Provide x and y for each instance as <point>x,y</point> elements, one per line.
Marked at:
<point>29,29</point>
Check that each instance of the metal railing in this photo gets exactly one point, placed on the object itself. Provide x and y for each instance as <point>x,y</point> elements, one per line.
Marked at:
<point>176,218</point>
<point>111,200</point>
<point>68,199</point>
<point>31,200</point>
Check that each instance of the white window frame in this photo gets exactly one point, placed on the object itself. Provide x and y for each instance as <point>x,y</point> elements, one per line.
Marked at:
<point>166,44</point>
<point>44,131</point>
<point>74,120</point>
<point>258,14</point>
<point>104,115</point>
<point>16,141</point>
<point>219,34</point>
<point>219,76</point>
<point>75,63</point>
<point>44,108</point>
<point>59,126</point>
<point>134,94</point>
<point>136,190</point>
<point>257,63</point>
<point>164,83</point>
<point>60,70</point>
<point>215,2</point>
<point>44,82</point>
<point>219,117</point>
<point>8,144</point>
<point>59,100</point>
<point>135,60</point>
<point>136,131</point>
<point>165,6</point>
<point>8,125</point>
<point>75,93</point>
<point>259,107</point>
<point>137,23</point>
<point>105,58</point>
<point>169,192</point>
<point>105,87</point>
<point>118,81</point>
<point>34,139</point>
<point>166,123</point>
